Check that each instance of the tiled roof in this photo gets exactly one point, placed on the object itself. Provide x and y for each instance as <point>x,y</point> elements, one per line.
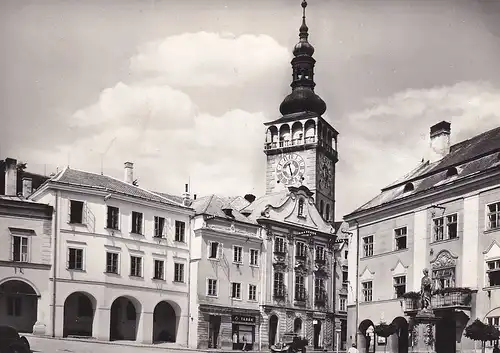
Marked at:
<point>260,203</point>
<point>213,205</point>
<point>109,184</point>
<point>469,157</point>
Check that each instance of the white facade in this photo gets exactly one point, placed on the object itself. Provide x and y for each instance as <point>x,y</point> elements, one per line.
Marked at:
<point>105,273</point>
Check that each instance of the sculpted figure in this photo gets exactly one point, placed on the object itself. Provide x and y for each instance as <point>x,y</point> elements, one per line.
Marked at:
<point>425,290</point>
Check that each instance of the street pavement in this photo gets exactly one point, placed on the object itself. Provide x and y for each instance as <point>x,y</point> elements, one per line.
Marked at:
<point>50,345</point>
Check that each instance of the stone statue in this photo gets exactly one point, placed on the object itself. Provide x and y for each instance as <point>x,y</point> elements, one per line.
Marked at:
<point>425,290</point>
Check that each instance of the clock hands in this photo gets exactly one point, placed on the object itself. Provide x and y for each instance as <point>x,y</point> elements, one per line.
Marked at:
<point>290,168</point>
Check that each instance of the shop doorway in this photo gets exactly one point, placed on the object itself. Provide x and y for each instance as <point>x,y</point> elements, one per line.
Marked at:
<point>317,334</point>
<point>273,329</point>
<point>213,331</point>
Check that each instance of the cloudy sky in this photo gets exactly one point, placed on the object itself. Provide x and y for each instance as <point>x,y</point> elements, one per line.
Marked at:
<point>181,88</point>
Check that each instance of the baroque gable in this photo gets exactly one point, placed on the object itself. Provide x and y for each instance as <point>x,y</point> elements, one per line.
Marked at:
<point>399,269</point>
<point>298,208</point>
<point>367,275</point>
<point>444,259</point>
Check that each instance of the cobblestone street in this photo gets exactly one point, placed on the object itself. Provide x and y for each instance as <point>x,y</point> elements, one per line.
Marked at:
<point>49,345</point>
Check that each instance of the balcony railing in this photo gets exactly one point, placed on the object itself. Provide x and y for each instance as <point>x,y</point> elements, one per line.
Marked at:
<point>288,143</point>
<point>279,292</point>
<point>279,252</point>
<point>320,298</point>
<point>300,295</point>
<point>300,257</point>
<point>442,299</point>
<point>320,261</point>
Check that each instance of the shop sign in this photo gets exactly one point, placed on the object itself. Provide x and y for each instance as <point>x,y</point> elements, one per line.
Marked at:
<point>243,319</point>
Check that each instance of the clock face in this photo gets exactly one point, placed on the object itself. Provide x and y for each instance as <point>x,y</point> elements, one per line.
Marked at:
<point>326,174</point>
<point>290,169</point>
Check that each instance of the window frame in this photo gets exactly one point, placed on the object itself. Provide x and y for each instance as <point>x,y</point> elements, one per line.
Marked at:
<point>396,285</point>
<point>216,282</point>
<point>303,246</point>
<point>180,237</point>
<point>235,253</point>
<point>279,245</point>
<point>445,226</point>
<point>279,285</point>
<point>366,291</point>
<point>487,216</point>
<point>182,266</point>
<point>141,269</point>
<point>162,234</point>
<point>163,272</point>
<point>79,248</point>
<point>118,217</point>
<point>342,300</point>
<point>400,236</point>
<point>488,270</point>
<point>368,246</point>
<point>209,250</point>
<point>28,248</point>
<point>140,224</point>
<point>70,209</point>
<point>250,287</point>
<point>252,252</point>
<point>117,262</point>
<point>233,286</point>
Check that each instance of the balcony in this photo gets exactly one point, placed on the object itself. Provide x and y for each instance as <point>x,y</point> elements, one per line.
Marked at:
<point>277,146</point>
<point>300,257</point>
<point>279,293</point>
<point>320,261</point>
<point>320,298</point>
<point>446,298</point>
<point>300,296</point>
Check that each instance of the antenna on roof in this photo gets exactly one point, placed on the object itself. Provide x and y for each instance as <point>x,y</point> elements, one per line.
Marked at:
<point>104,153</point>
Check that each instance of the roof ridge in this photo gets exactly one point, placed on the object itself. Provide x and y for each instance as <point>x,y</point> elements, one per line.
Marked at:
<point>60,174</point>
<point>208,203</point>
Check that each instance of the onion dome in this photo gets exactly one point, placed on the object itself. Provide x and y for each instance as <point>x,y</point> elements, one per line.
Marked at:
<point>303,98</point>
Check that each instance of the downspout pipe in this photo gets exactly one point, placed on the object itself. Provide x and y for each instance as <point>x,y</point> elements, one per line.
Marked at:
<point>334,291</point>
<point>54,262</point>
<point>357,280</point>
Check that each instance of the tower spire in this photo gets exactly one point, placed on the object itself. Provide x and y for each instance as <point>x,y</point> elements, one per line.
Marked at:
<point>303,98</point>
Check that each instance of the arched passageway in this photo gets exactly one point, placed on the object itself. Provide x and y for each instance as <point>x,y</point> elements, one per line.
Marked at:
<point>273,329</point>
<point>79,309</point>
<point>124,319</point>
<point>401,334</point>
<point>367,343</point>
<point>165,323</point>
<point>18,305</point>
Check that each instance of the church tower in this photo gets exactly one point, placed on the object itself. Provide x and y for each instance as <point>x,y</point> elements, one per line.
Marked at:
<point>301,146</point>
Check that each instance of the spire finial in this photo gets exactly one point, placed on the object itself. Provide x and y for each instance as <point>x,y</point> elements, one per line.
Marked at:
<point>303,28</point>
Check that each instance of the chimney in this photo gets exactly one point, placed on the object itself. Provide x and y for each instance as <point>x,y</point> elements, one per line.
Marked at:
<point>194,197</point>
<point>186,197</point>
<point>10,177</point>
<point>27,187</point>
<point>440,141</point>
<point>129,172</point>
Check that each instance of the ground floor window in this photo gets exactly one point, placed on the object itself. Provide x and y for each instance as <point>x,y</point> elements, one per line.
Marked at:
<point>243,332</point>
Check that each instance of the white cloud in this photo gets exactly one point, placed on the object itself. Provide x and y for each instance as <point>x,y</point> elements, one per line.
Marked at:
<point>387,139</point>
<point>211,59</point>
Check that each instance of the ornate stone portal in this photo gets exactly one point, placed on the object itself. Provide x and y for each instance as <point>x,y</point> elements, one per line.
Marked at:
<point>424,323</point>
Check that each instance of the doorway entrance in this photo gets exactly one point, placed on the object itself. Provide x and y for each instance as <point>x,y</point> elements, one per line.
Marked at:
<point>213,331</point>
<point>317,334</point>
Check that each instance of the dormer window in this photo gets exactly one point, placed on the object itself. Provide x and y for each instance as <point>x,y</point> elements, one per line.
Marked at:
<point>451,172</point>
<point>408,187</point>
<point>300,210</point>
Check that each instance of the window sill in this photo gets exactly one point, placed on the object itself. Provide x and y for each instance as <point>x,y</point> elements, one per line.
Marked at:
<point>255,266</point>
<point>444,240</point>
<point>159,237</point>
<point>79,224</point>
<point>253,300</point>
<point>384,254</point>
<point>158,279</point>
<point>238,263</point>
<point>179,282</point>
<point>213,259</point>
<point>212,296</point>
<point>75,270</point>
<point>136,234</point>
<point>232,298</point>
<point>492,230</point>
<point>302,216</point>
<point>112,274</point>
<point>136,277</point>
<point>491,288</point>
<point>113,229</point>
<point>181,242</point>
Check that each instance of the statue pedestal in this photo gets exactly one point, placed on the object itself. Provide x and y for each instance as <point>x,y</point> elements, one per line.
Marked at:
<point>424,332</point>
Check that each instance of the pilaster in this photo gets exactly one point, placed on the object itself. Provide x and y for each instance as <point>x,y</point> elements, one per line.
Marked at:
<point>419,247</point>
<point>100,327</point>
<point>145,328</point>
<point>470,249</point>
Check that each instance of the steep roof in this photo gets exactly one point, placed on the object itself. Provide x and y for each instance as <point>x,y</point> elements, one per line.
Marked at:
<point>213,205</point>
<point>109,184</point>
<point>467,157</point>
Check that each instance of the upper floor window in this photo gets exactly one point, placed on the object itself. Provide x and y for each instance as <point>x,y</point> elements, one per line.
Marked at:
<point>319,289</point>
<point>367,291</point>
<point>320,253</point>
<point>180,231</point>
<point>342,303</point>
<point>445,227</point>
<point>399,286</point>
<point>136,222</point>
<point>321,207</point>
<point>345,279</point>
<point>254,257</point>
<point>300,249</point>
<point>279,284</point>
<point>159,227</point>
<point>236,290</point>
<point>327,212</point>
<point>159,270</point>
<point>112,262</point>
<point>178,272</point>
<point>300,288</point>
<point>300,208</point>
<point>19,248</point>
<point>368,246</point>
<point>136,266</point>
<point>113,218</point>
<point>237,254</point>
<point>75,211</point>
<point>279,245</point>
<point>444,277</point>
<point>400,238</point>
<point>252,292</point>
<point>212,287</point>
<point>75,259</point>
<point>213,250</point>
<point>345,254</point>
<point>494,215</point>
<point>493,273</point>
